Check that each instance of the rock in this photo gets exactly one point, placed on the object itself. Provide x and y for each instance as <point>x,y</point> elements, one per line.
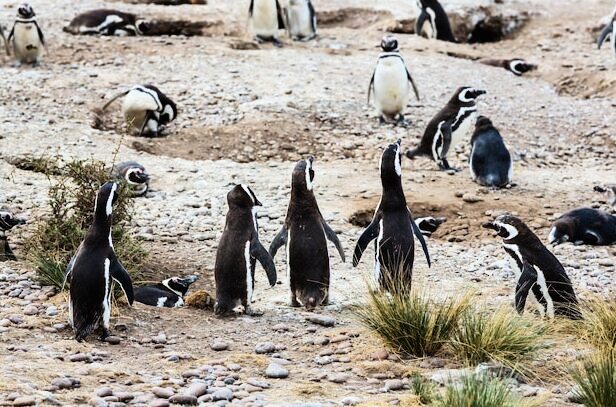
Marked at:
<point>219,346</point>
<point>161,338</point>
<point>197,389</point>
<point>51,311</point>
<point>183,399</point>
<point>24,401</point>
<point>223,394</point>
<point>258,383</point>
<point>275,371</point>
<point>573,395</point>
<point>394,385</point>
<point>98,402</point>
<point>163,392</point>
<point>190,373</point>
<point>103,392</point>
<point>470,198</point>
<point>350,401</point>
<point>79,357</point>
<point>65,383</point>
<point>159,403</point>
<point>338,378</point>
<point>31,310</point>
<point>380,355</point>
<point>123,396</point>
<point>447,376</point>
<point>266,347</point>
<point>322,320</point>
<point>113,340</point>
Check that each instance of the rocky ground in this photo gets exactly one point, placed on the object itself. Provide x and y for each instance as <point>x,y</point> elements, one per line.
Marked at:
<point>246,115</point>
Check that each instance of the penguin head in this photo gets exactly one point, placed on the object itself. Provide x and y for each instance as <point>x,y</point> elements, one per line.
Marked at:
<point>169,113</point>
<point>25,11</point>
<point>466,95</point>
<point>559,233</point>
<point>429,224</point>
<point>483,121</point>
<point>7,221</point>
<point>389,43</point>
<point>243,197</point>
<point>142,26</point>
<point>136,175</point>
<point>303,174</point>
<point>391,162</point>
<point>105,199</point>
<point>507,226</point>
<point>179,285</point>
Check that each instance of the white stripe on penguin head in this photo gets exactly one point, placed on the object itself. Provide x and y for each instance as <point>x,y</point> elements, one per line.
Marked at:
<point>397,161</point>
<point>513,232</point>
<point>109,207</point>
<point>462,95</point>
<point>308,181</point>
<point>245,188</point>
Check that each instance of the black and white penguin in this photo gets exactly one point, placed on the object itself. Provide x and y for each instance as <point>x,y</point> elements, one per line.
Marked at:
<point>438,22</point>
<point>135,176</point>
<point>489,162</point>
<point>93,269</point>
<point>301,20</point>
<point>537,269</point>
<point>390,82</point>
<point>238,251</point>
<point>169,293</point>
<point>609,191</point>
<point>26,35</point>
<point>584,226</point>
<point>608,31</point>
<point>265,18</point>
<point>393,228</point>
<point>107,22</point>
<point>450,125</point>
<point>429,224</point>
<point>516,66</point>
<point>146,109</point>
<point>305,234</point>
<point>7,222</point>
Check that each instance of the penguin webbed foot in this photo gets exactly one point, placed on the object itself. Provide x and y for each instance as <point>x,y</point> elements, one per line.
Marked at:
<point>402,122</point>
<point>382,120</point>
<point>104,335</point>
<point>443,165</point>
<point>277,43</point>
<point>294,302</point>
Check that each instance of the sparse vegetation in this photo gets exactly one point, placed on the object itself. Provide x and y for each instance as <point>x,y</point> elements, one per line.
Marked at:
<point>599,324</point>
<point>423,388</point>
<point>478,391</point>
<point>596,379</point>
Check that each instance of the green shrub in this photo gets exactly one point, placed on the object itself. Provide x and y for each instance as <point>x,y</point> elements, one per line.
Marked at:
<point>423,388</point>
<point>596,380</point>
<point>477,390</point>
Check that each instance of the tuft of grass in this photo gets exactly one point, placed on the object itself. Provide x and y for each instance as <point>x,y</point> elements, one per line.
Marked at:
<point>423,389</point>
<point>599,324</point>
<point>478,390</point>
<point>596,380</point>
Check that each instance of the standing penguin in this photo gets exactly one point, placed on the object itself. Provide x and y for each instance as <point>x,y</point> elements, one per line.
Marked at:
<point>7,222</point>
<point>107,22</point>
<point>489,161</point>
<point>584,226</point>
<point>390,82</point>
<point>265,18</point>
<point>237,254</point>
<point>439,27</point>
<point>448,127</point>
<point>609,31</point>
<point>537,269</point>
<point>393,227</point>
<point>27,37</point>
<point>301,20</point>
<point>93,269</point>
<point>305,234</point>
<point>135,176</point>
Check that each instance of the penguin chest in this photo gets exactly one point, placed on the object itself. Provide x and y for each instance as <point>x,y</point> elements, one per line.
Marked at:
<point>26,42</point>
<point>463,125</point>
<point>264,20</point>
<point>391,86</point>
<point>300,22</point>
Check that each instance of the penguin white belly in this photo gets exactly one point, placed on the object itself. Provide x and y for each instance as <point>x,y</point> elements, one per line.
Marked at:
<point>377,263</point>
<point>248,272</point>
<point>135,106</point>
<point>464,129</point>
<point>391,86</point>
<point>26,42</point>
<point>264,21</point>
<point>300,24</point>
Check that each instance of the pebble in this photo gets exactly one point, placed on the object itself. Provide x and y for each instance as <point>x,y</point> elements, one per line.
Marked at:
<point>394,385</point>
<point>51,311</point>
<point>219,346</point>
<point>258,383</point>
<point>159,403</point>
<point>183,399</point>
<point>65,383</point>
<point>24,401</point>
<point>113,340</point>
<point>350,401</point>
<point>161,338</point>
<point>196,389</point>
<point>338,378</point>
<point>275,371</point>
<point>266,347</point>
<point>223,394</point>
<point>163,392</point>
<point>31,310</point>
<point>79,357</point>
<point>322,320</point>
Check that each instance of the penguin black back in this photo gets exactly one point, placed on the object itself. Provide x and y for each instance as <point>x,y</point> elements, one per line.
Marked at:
<point>489,161</point>
<point>584,226</point>
<point>432,12</point>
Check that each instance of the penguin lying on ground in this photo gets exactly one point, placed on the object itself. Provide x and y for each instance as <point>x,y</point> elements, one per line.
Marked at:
<point>450,125</point>
<point>107,22</point>
<point>610,191</point>
<point>516,66</point>
<point>7,222</point>
<point>305,233</point>
<point>393,228</point>
<point>489,162</point>
<point>265,18</point>
<point>238,251</point>
<point>135,176</point>
<point>429,224</point>
<point>390,82</point>
<point>537,269</point>
<point>301,20</point>
<point>4,40</point>
<point>28,39</point>
<point>438,22</point>
<point>609,31</point>
<point>168,293</point>
<point>93,269</point>
<point>584,226</point>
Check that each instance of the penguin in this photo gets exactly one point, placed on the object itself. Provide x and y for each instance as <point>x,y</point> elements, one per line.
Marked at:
<point>390,82</point>
<point>608,31</point>
<point>7,222</point>
<point>4,41</point>
<point>93,269</point>
<point>238,251</point>
<point>169,293</point>
<point>107,22</point>
<point>393,228</point>
<point>28,39</point>
<point>305,234</point>
<point>489,162</point>
<point>429,224</point>
<point>450,125</point>
<point>439,27</point>
<point>537,269</point>
<point>610,191</point>
<point>516,66</point>
<point>301,20</point>
<point>135,176</point>
<point>265,18</point>
<point>146,109</point>
<point>584,226</point>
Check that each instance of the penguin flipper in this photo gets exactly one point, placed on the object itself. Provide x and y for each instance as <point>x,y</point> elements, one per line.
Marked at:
<point>251,8</point>
<point>445,130</point>
<point>421,20</point>
<point>11,34</point>
<point>281,24</point>
<point>40,33</point>
<point>120,276</point>
<point>313,17</point>
<point>333,237</point>
<point>279,240</point>
<point>421,239</point>
<point>410,78</point>
<point>258,252</point>
<point>526,281</point>
<point>607,30</point>
<point>368,235</point>
<point>371,86</point>
<point>6,43</point>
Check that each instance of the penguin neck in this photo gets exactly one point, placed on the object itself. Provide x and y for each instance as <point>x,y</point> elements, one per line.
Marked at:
<point>303,199</point>
<point>100,230</point>
<point>393,195</point>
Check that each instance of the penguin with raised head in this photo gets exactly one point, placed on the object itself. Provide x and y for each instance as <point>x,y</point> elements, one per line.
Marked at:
<point>429,224</point>
<point>609,31</point>
<point>305,233</point>
<point>238,251</point>
<point>146,109</point>
<point>584,226</point>
<point>537,269</point>
<point>7,222</point>
<point>450,125</point>
<point>27,37</point>
<point>107,22</point>
<point>301,20</point>
<point>135,176</point>
<point>169,293</point>
<point>265,19</point>
<point>516,66</point>
<point>390,82</point>
<point>93,269</point>
<point>393,228</point>
<point>438,28</point>
<point>489,162</point>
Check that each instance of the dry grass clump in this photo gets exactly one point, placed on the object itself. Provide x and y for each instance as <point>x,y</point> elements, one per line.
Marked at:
<point>596,379</point>
<point>477,390</point>
<point>599,324</point>
<point>424,389</point>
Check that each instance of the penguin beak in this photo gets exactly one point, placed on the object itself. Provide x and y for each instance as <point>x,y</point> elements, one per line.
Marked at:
<point>258,203</point>
<point>188,280</point>
<point>489,225</point>
<point>599,189</point>
<point>480,92</point>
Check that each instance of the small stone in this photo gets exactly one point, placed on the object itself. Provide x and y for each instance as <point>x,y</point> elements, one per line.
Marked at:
<point>350,401</point>
<point>219,346</point>
<point>223,394</point>
<point>258,383</point>
<point>275,371</point>
<point>103,392</point>
<point>51,311</point>
<point>24,401</point>
<point>31,310</point>
<point>394,385</point>
<point>159,403</point>
<point>79,357</point>
<point>161,338</point>
<point>573,395</point>
<point>470,198</point>
<point>65,383</point>
<point>163,392</point>
<point>380,355</point>
<point>183,399</point>
<point>266,347</point>
<point>123,396</point>
<point>98,402</point>
<point>322,320</point>
<point>338,378</point>
<point>196,389</point>
<point>190,373</point>
<point>113,340</point>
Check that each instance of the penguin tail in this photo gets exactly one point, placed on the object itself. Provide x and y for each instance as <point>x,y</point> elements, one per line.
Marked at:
<point>311,303</point>
<point>412,153</point>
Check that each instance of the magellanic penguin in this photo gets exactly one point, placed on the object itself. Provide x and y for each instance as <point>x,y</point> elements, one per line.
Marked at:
<point>238,251</point>
<point>489,162</point>
<point>393,228</point>
<point>107,22</point>
<point>429,224</point>
<point>169,293</point>
<point>93,269</point>
<point>609,191</point>
<point>7,222</point>
<point>301,20</point>
<point>439,27</point>
<point>28,39</point>
<point>390,82</point>
<point>584,226</point>
<point>305,233</point>
<point>516,66</point>
<point>146,109</point>
<point>609,31</point>
<point>453,123</point>
<point>265,18</point>
<point>537,269</point>
<point>135,176</point>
